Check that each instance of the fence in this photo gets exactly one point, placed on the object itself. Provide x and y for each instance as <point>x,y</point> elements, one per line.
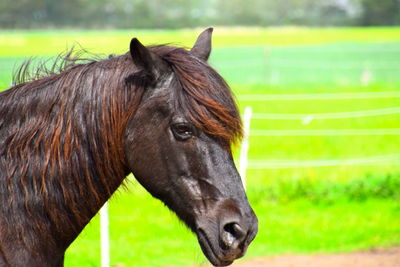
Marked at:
<point>338,64</point>
<point>262,164</point>
<point>306,118</point>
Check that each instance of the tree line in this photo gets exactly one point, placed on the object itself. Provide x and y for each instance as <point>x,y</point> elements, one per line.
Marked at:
<point>193,13</point>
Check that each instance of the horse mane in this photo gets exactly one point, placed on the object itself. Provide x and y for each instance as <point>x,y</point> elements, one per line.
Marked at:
<point>62,131</point>
<point>28,71</point>
<point>205,96</point>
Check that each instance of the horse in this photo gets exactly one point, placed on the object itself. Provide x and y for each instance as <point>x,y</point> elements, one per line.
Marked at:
<point>68,138</point>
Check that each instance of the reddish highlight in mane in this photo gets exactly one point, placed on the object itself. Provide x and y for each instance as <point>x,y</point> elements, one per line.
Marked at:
<point>203,95</point>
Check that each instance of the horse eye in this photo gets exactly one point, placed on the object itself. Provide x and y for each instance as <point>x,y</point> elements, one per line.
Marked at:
<point>182,131</point>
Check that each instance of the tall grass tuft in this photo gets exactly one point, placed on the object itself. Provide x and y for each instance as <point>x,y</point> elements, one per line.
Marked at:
<point>329,192</point>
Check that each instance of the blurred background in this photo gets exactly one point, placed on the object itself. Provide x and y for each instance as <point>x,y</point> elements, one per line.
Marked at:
<point>322,81</point>
<point>167,14</point>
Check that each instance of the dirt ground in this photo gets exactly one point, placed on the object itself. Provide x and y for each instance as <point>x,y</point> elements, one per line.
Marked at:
<point>370,258</point>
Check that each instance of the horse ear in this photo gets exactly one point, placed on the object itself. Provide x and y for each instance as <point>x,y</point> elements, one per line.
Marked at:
<point>202,47</point>
<point>147,60</point>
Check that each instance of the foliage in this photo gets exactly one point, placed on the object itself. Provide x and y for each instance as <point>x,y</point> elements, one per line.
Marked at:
<point>191,13</point>
<point>385,12</point>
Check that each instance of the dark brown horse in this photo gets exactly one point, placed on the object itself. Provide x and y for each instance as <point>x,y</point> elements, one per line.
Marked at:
<point>68,140</point>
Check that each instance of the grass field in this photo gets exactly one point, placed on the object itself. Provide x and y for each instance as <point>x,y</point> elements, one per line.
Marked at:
<point>304,208</point>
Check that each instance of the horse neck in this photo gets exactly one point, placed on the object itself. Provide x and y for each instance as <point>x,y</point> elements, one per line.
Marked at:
<point>68,149</point>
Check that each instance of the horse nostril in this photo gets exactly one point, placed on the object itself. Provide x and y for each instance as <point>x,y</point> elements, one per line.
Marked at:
<point>232,232</point>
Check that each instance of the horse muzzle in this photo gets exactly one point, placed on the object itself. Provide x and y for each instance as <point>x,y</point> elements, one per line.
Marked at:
<point>225,238</point>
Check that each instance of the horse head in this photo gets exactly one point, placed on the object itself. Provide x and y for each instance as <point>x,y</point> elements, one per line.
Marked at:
<point>177,145</point>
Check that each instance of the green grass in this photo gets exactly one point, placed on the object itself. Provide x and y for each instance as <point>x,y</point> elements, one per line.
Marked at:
<point>300,209</point>
<point>334,65</point>
<point>338,64</point>
<point>327,192</point>
<point>301,227</point>
<point>144,233</point>
<point>50,42</point>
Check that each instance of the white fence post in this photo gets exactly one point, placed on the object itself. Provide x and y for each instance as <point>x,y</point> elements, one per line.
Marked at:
<point>245,145</point>
<point>104,236</point>
<point>366,77</point>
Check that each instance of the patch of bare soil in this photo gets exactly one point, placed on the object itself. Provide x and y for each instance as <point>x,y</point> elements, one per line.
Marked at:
<point>370,258</point>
